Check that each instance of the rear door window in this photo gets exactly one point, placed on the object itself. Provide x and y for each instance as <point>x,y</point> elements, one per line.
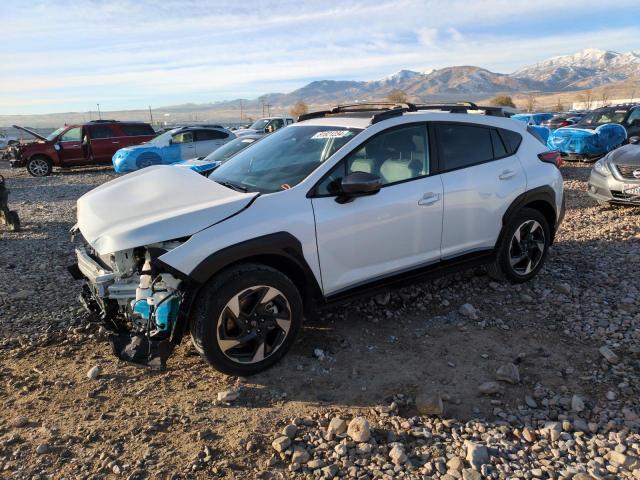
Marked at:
<point>204,135</point>
<point>136,129</point>
<point>461,146</point>
<point>100,131</point>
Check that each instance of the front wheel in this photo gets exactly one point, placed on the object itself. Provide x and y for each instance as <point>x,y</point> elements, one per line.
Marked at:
<point>523,247</point>
<point>39,166</point>
<point>246,318</point>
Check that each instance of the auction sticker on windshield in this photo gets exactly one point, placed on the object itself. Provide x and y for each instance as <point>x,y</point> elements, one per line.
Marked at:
<point>332,134</point>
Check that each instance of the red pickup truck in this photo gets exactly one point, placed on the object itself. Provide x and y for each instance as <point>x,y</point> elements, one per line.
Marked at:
<point>91,143</point>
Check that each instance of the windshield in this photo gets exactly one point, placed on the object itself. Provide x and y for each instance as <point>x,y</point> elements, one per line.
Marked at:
<point>52,136</point>
<point>229,149</point>
<point>281,160</point>
<point>162,139</point>
<point>259,124</point>
<point>604,116</point>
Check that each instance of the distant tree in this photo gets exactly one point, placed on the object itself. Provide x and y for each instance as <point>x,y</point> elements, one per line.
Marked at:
<point>300,108</point>
<point>587,99</point>
<point>531,103</point>
<point>604,97</point>
<point>502,101</point>
<point>398,96</point>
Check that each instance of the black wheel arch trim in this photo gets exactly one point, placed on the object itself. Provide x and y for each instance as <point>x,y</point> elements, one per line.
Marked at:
<point>277,247</point>
<point>544,194</point>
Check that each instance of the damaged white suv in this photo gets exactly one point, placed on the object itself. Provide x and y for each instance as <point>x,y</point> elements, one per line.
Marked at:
<point>344,202</point>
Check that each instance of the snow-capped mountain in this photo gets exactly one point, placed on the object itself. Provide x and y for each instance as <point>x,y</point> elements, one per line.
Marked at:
<point>588,68</point>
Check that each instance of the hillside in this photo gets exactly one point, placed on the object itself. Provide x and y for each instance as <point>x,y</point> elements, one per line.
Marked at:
<point>557,78</point>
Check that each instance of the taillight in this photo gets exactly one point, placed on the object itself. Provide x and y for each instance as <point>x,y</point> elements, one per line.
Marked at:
<point>551,157</point>
<point>563,124</point>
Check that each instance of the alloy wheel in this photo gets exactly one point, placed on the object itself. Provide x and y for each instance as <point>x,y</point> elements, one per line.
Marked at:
<point>253,324</point>
<point>38,167</point>
<point>527,247</point>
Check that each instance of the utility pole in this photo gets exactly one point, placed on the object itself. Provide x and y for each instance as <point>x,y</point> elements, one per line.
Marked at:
<point>150,116</point>
<point>99,114</point>
<point>240,109</point>
<point>268,105</point>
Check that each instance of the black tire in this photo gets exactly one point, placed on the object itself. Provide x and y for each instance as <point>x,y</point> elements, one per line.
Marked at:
<point>508,248</point>
<point>13,221</point>
<point>213,319</point>
<point>39,166</point>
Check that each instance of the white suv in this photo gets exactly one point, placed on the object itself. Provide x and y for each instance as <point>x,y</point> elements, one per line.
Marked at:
<point>345,201</point>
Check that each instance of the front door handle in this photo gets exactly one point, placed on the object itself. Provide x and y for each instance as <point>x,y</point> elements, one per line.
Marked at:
<point>507,174</point>
<point>429,199</point>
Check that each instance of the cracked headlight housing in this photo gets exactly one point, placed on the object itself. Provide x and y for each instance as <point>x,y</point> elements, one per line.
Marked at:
<point>602,167</point>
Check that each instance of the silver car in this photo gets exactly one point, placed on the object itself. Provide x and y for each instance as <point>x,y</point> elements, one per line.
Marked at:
<point>615,178</point>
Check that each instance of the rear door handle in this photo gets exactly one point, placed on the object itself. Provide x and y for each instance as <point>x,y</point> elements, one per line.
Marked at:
<point>429,199</point>
<point>116,143</point>
<point>507,174</point>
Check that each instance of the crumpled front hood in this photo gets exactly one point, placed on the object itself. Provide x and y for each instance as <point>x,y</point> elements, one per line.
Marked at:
<point>152,205</point>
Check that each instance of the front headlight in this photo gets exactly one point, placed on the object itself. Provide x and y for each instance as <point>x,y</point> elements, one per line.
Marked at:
<point>602,167</point>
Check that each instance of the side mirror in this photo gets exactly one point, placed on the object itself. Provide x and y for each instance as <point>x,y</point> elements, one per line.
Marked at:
<point>358,184</point>
<point>634,140</point>
<point>57,147</point>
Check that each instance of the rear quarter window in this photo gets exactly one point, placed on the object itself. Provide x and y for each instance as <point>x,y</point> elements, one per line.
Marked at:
<point>136,130</point>
<point>511,139</point>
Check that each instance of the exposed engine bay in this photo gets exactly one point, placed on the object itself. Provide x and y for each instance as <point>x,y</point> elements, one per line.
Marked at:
<point>134,298</point>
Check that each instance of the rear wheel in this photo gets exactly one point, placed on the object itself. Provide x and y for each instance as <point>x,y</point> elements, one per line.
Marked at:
<point>246,319</point>
<point>39,166</point>
<point>523,247</point>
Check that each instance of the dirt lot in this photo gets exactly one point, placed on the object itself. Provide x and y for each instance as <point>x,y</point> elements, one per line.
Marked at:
<point>568,411</point>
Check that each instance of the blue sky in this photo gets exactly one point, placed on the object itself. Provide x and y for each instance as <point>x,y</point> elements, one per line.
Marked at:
<point>68,55</point>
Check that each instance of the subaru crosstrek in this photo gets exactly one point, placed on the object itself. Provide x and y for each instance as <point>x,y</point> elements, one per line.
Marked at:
<point>344,202</point>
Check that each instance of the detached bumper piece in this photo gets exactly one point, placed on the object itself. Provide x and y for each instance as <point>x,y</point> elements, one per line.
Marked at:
<point>139,350</point>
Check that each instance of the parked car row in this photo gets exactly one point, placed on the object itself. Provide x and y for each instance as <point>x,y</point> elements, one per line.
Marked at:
<point>130,146</point>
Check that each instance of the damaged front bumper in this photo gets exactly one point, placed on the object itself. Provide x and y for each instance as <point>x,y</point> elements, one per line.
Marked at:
<point>142,310</point>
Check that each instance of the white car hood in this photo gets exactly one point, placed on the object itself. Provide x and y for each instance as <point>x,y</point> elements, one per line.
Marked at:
<point>155,204</point>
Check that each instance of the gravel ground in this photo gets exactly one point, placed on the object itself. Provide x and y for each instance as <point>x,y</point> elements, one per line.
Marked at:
<point>462,377</point>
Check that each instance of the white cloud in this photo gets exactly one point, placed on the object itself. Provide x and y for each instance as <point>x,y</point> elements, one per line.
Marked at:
<point>65,54</point>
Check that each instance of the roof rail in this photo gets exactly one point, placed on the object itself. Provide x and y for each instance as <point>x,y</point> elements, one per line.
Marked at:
<point>357,107</point>
<point>383,110</point>
<point>102,121</point>
<point>462,107</point>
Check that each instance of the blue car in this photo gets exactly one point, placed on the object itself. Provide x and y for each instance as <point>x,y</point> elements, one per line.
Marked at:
<point>532,118</point>
<point>584,144</point>
<point>216,158</point>
<point>176,145</point>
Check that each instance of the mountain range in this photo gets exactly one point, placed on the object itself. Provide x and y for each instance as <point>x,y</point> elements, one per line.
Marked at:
<point>586,69</point>
<point>589,68</point>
